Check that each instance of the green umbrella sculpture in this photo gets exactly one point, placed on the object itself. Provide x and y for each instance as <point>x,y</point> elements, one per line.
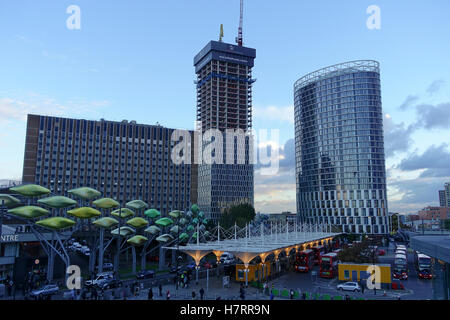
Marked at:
<point>175,229</point>
<point>29,212</point>
<point>58,202</point>
<point>183,237</point>
<point>123,213</point>
<point>9,200</point>
<point>195,220</point>
<point>154,230</point>
<point>106,222</point>
<point>85,193</point>
<point>164,222</point>
<point>124,231</point>
<point>137,222</point>
<point>182,221</point>
<point>136,205</point>
<point>190,228</point>
<point>201,214</point>
<point>56,223</point>
<point>194,208</point>
<point>164,238</point>
<point>30,190</point>
<point>152,213</point>
<point>137,240</point>
<point>105,203</point>
<point>84,213</point>
<point>175,214</point>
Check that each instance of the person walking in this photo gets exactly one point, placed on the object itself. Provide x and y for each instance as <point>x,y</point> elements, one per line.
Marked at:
<point>150,294</point>
<point>168,295</point>
<point>375,290</point>
<point>160,289</point>
<point>202,293</point>
<point>291,294</point>
<point>193,295</point>
<point>271,295</point>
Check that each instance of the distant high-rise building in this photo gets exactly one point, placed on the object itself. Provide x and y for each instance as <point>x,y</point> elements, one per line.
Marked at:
<point>123,160</point>
<point>442,198</point>
<point>340,164</point>
<point>447,194</point>
<point>224,101</point>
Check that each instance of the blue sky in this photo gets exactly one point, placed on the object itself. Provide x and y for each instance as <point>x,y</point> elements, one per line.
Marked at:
<point>133,60</point>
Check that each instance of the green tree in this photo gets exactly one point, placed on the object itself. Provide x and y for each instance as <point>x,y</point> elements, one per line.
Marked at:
<point>239,214</point>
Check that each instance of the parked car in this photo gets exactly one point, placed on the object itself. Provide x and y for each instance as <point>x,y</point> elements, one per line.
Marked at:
<point>45,291</point>
<point>381,252</point>
<point>349,286</point>
<point>99,277</point>
<point>397,285</point>
<point>145,274</point>
<point>108,283</point>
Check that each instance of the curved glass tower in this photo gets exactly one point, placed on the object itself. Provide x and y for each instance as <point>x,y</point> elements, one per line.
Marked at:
<point>340,166</point>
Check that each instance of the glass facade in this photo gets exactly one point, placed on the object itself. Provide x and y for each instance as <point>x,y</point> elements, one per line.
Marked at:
<point>340,165</point>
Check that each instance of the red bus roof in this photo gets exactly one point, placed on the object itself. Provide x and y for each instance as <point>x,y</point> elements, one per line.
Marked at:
<point>306,251</point>
<point>331,255</point>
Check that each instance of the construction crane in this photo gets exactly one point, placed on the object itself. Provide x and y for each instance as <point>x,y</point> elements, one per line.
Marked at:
<point>221,33</point>
<point>239,38</point>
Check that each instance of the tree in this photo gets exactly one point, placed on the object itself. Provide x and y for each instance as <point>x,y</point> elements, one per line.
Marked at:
<point>240,214</point>
<point>359,252</point>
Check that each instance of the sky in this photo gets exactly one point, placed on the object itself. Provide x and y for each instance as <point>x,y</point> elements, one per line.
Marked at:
<point>134,60</point>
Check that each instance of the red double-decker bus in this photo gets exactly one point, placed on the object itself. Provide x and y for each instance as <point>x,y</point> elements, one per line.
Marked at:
<point>318,251</point>
<point>328,265</point>
<point>304,260</point>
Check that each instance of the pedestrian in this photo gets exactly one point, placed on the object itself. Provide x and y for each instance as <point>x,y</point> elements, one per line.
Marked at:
<point>362,287</point>
<point>291,294</point>
<point>375,290</point>
<point>168,295</point>
<point>202,293</point>
<point>271,295</point>
<point>193,295</point>
<point>150,294</point>
<point>160,290</point>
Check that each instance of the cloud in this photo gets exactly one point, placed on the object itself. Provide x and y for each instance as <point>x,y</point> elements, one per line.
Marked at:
<point>435,160</point>
<point>414,194</point>
<point>435,87</point>
<point>434,116</point>
<point>410,100</point>
<point>16,109</point>
<point>276,193</point>
<point>283,114</point>
<point>397,136</point>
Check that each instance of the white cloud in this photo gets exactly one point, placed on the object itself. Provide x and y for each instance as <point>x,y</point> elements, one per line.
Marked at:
<point>271,113</point>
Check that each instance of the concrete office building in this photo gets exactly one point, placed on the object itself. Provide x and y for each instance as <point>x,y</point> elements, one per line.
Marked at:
<point>340,163</point>
<point>123,160</point>
<point>224,101</point>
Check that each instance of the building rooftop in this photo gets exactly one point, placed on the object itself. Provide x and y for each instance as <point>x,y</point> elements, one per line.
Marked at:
<point>437,246</point>
<point>338,69</point>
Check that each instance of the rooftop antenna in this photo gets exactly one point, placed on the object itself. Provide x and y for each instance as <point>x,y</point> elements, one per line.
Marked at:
<point>239,38</point>
<point>221,33</point>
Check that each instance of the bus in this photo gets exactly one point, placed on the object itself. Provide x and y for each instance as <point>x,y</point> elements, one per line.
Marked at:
<point>400,267</point>
<point>304,260</point>
<point>328,265</point>
<point>318,251</point>
<point>423,265</point>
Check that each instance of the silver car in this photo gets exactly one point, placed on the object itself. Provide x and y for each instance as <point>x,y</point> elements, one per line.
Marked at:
<point>349,286</point>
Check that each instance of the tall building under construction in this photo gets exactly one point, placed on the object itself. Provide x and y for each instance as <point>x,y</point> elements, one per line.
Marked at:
<point>224,101</point>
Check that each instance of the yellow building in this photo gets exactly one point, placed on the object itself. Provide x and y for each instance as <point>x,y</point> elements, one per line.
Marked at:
<point>355,272</point>
<point>256,272</point>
